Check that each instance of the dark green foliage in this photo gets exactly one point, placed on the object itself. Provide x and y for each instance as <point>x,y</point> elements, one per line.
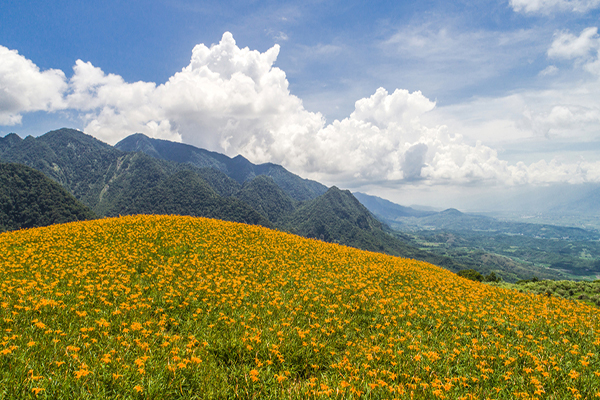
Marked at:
<point>113,183</point>
<point>476,276</point>
<point>30,199</point>
<point>150,187</point>
<point>492,277</point>
<point>297,188</point>
<point>262,194</point>
<point>470,274</point>
<point>337,216</point>
<point>79,162</point>
<point>221,183</point>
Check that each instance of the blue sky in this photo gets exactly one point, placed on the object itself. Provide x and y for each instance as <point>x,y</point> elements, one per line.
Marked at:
<point>410,100</point>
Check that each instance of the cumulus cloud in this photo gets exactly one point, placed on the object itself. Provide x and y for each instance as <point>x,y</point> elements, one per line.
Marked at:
<point>551,6</point>
<point>24,88</point>
<point>414,161</point>
<point>234,100</point>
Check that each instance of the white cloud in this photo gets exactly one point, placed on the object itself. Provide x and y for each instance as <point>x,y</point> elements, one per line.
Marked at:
<point>583,49</point>
<point>24,88</point>
<point>549,71</point>
<point>568,46</point>
<point>551,6</point>
<point>234,100</point>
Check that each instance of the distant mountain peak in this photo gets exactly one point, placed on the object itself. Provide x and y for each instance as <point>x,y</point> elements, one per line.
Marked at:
<point>451,211</point>
<point>11,139</point>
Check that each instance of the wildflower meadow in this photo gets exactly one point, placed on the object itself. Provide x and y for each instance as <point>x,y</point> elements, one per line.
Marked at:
<point>182,307</point>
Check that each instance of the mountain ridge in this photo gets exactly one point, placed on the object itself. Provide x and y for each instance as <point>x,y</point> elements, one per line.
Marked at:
<point>237,168</point>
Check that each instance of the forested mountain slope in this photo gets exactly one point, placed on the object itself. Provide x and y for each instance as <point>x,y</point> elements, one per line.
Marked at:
<point>30,199</point>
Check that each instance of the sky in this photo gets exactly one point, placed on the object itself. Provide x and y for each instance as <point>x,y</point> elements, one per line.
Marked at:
<point>447,104</point>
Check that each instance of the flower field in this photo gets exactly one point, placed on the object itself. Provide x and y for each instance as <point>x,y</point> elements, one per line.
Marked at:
<point>181,307</point>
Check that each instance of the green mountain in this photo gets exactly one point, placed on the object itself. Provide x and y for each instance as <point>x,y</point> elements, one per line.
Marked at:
<point>30,199</point>
<point>266,197</point>
<point>151,186</point>
<point>79,162</point>
<point>237,168</point>
<point>113,182</point>
<point>337,216</point>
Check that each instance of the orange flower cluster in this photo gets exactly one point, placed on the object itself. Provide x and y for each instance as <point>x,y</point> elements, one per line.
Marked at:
<point>169,306</point>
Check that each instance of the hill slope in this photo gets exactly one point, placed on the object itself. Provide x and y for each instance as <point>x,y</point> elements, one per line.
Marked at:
<point>30,199</point>
<point>338,217</point>
<point>263,194</point>
<point>170,307</point>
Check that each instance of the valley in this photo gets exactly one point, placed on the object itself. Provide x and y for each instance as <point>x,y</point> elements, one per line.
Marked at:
<point>514,250</point>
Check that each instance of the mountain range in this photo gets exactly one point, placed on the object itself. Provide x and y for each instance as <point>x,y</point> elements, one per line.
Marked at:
<point>151,176</point>
<point>407,219</point>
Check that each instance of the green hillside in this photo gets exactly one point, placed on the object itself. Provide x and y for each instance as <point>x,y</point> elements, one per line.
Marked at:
<point>30,199</point>
<point>263,194</point>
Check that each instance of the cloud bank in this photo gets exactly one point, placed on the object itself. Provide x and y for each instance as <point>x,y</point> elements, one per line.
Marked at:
<point>234,100</point>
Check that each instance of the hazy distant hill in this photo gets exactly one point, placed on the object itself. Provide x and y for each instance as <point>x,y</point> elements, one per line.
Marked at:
<point>410,220</point>
<point>586,202</point>
<point>513,250</point>
<point>30,199</point>
<point>387,210</point>
<point>237,168</point>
